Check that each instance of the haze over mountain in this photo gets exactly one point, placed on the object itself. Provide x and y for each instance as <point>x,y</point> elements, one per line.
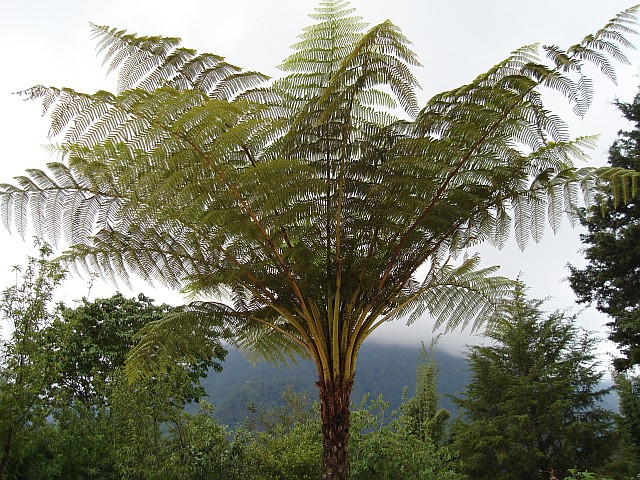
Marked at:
<point>383,369</point>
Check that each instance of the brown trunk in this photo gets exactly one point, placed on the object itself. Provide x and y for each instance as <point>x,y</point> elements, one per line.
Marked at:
<point>334,411</point>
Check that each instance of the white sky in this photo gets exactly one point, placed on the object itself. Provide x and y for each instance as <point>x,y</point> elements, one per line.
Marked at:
<point>49,42</point>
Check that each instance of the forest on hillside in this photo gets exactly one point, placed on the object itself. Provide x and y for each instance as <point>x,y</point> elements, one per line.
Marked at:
<point>383,369</point>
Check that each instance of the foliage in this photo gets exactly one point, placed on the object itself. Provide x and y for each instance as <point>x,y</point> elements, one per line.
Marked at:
<point>612,243</point>
<point>627,386</point>
<point>176,160</point>
<point>420,414</point>
<point>92,339</point>
<point>574,474</point>
<point>25,375</point>
<point>98,425</point>
<point>307,202</point>
<point>77,445</point>
<point>202,448</point>
<point>532,405</point>
<point>289,453</point>
<point>390,455</point>
<point>90,344</point>
<point>410,443</point>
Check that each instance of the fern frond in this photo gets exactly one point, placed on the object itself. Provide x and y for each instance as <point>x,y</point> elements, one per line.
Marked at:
<point>268,339</point>
<point>460,296</point>
<point>621,23</point>
<point>309,205</point>
<point>381,57</point>
<point>182,336</point>
<point>620,182</point>
<point>149,63</point>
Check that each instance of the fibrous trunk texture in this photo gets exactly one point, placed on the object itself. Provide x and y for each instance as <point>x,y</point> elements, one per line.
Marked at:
<point>334,411</point>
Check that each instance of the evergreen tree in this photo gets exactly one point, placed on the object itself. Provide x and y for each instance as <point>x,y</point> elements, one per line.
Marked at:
<point>310,204</point>
<point>612,277</point>
<point>628,387</point>
<point>532,403</point>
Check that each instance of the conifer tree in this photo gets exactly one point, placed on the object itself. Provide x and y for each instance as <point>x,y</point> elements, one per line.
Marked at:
<point>532,404</point>
<point>420,413</point>
<point>301,211</point>
<point>611,279</point>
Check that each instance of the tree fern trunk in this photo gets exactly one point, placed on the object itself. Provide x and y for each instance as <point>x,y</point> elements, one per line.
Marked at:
<point>334,411</point>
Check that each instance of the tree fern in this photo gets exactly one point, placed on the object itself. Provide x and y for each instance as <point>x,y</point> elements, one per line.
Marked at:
<point>300,211</point>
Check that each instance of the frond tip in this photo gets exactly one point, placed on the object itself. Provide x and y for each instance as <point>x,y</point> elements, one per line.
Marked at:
<point>458,296</point>
<point>151,62</point>
<point>465,295</point>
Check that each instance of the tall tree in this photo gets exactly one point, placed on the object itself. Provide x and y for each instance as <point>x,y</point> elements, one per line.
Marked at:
<point>612,277</point>
<point>25,373</point>
<point>306,206</point>
<point>532,404</point>
<point>420,413</point>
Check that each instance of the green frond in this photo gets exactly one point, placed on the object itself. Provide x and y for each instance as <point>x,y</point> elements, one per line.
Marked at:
<point>549,188</point>
<point>262,342</point>
<point>116,43</point>
<point>608,42</point>
<point>152,256</point>
<point>522,213</point>
<point>323,45</point>
<point>563,60</point>
<point>183,336</point>
<point>599,59</point>
<point>149,63</point>
<point>381,57</point>
<point>620,24</point>
<point>620,182</point>
<point>611,48</point>
<point>461,296</point>
<point>563,185</point>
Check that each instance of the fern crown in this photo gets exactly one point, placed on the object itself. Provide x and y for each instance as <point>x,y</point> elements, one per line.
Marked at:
<point>305,205</point>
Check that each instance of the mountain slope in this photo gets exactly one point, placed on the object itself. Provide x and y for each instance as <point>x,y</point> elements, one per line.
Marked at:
<point>382,369</point>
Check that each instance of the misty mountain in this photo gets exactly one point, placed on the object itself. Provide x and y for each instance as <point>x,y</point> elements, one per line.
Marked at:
<point>382,370</point>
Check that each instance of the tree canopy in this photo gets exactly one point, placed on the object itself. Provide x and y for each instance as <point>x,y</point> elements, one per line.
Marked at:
<point>611,278</point>
<point>306,211</point>
<point>532,406</point>
<point>89,344</point>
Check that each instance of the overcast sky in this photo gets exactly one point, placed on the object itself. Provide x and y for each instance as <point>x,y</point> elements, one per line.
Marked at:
<point>49,42</point>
